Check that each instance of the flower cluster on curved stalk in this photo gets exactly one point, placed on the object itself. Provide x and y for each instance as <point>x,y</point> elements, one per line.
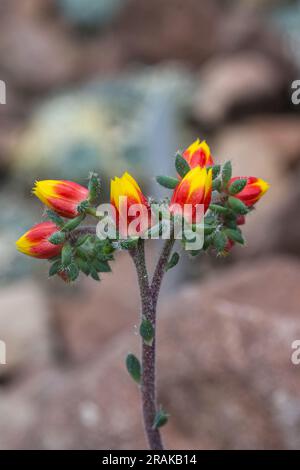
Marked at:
<point>73,248</point>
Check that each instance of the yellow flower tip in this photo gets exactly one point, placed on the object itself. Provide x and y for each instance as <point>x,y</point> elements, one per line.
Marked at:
<point>23,245</point>
<point>264,186</point>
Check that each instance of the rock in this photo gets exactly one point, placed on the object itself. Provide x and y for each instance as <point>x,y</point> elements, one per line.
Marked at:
<point>268,147</point>
<point>23,327</point>
<point>225,374</point>
<point>238,84</point>
<point>36,56</point>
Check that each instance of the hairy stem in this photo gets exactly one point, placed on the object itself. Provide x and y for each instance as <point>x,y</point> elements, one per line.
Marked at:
<point>148,384</point>
<point>149,296</point>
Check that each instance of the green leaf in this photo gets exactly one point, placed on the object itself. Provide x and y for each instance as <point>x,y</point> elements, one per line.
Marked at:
<point>209,229</point>
<point>218,209</point>
<point>72,224</point>
<point>215,170</point>
<point>237,186</point>
<point>55,268</point>
<point>182,166</point>
<point>81,240</point>
<point>173,261</point>
<point>56,219</point>
<point>94,187</point>
<point>134,367</point>
<point>94,274</point>
<point>83,266</point>
<point>101,266</point>
<point>57,238</point>
<point>147,331</point>
<point>161,418</point>
<point>237,205</point>
<point>129,244</point>
<point>66,255</point>
<point>167,181</point>
<point>217,185</point>
<point>73,272</point>
<point>220,241</point>
<point>226,172</point>
<point>234,235</point>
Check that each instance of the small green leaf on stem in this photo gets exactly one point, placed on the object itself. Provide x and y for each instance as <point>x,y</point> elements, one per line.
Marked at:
<point>133,367</point>
<point>173,261</point>
<point>73,272</point>
<point>161,418</point>
<point>147,331</point>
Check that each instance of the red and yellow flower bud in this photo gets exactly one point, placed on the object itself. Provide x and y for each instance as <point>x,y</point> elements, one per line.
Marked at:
<point>36,243</point>
<point>62,196</point>
<point>129,203</point>
<point>253,191</point>
<point>198,154</point>
<point>194,189</point>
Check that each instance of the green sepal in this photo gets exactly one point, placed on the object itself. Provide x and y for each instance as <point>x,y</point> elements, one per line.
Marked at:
<point>133,367</point>
<point>217,185</point>
<point>220,241</point>
<point>226,173</point>
<point>167,181</point>
<point>237,186</point>
<point>55,268</point>
<point>66,255</point>
<point>73,272</point>
<point>234,235</point>
<point>55,218</point>
<point>57,238</point>
<point>218,209</point>
<point>237,205</point>
<point>215,170</point>
<point>181,165</point>
<point>73,223</point>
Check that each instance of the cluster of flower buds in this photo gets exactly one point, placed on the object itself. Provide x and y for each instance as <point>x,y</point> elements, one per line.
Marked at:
<point>225,201</point>
<point>68,205</point>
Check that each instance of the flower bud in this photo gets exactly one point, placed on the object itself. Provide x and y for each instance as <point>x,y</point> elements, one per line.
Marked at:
<point>126,195</point>
<point>198,154</point>
<point>194,189</point>
<point>254,189</point>
<point>63,197</point>
<point>36,242</point>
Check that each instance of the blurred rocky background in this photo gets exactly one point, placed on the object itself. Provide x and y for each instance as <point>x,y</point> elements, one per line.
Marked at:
<point>109,85</point>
